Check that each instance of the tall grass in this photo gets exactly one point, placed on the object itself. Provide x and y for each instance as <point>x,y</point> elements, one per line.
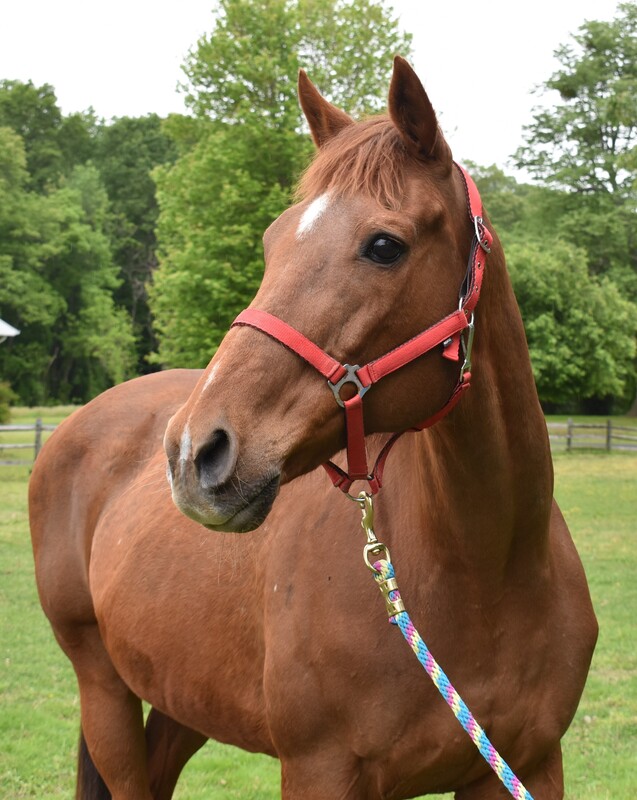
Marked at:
<point>40,713</point>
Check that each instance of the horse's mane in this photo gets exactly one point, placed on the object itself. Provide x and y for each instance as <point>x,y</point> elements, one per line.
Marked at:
<point>368,157</point>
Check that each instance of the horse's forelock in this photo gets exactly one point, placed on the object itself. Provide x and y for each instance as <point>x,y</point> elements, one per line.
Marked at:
<point>368,158</point>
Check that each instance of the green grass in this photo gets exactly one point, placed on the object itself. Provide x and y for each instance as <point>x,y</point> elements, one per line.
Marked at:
<point>598,495</point>
<point>630,422</point>
<point>39,707</point>
<point>50,415</point>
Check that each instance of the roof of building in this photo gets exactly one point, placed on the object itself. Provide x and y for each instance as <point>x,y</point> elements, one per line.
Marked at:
<point>7,330</point>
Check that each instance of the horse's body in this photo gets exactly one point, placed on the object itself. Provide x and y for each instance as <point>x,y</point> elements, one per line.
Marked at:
<point>276,641</point>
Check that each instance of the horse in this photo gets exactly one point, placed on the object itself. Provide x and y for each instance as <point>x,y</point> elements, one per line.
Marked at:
<point>191,552</point>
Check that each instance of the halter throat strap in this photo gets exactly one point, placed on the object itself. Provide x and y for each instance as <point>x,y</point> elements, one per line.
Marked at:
<point>447,332</point>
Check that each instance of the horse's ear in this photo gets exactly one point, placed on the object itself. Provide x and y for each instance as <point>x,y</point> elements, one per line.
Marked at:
<point>324,119</point>
<point>412,113</point>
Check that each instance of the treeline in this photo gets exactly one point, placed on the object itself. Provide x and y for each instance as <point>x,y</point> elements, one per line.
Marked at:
<point>130,245</point>
<point>77,244</point>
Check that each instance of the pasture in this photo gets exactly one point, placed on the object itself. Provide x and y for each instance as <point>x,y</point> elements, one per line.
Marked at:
<point>40,710</point>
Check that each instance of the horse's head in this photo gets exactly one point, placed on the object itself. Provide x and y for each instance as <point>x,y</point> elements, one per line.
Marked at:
<point>373,254</point>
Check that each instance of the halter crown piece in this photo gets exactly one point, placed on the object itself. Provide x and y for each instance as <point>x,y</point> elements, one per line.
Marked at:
<point>448,332</point>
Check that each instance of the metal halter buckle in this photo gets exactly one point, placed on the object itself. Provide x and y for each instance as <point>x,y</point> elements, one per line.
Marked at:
<point>478,224</point>
<point>467,347</point>
<point>349,377</point>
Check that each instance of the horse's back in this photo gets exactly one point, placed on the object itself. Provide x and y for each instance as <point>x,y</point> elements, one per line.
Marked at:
<point>88,461</point>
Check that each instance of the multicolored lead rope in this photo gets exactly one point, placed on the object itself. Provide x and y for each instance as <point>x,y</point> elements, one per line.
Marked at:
<point>384,572</point>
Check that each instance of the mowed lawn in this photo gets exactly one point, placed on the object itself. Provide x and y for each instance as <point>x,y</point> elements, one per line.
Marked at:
<point>40,713</point>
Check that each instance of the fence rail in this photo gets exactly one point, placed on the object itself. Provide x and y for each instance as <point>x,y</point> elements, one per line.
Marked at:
<point>567,435</point>
<point>605,435</point>
<point>38,428</point>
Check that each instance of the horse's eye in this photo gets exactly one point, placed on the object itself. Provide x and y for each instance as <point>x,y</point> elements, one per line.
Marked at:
<point>384,250</point>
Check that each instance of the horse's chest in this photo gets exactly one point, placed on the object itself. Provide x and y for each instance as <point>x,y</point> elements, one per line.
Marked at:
<point>180,626</point>
<point>338,671</point>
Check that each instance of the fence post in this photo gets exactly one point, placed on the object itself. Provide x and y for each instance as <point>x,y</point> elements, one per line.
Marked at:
<point>609,434</point>
<point>569,434</point>
<point>38,437</point>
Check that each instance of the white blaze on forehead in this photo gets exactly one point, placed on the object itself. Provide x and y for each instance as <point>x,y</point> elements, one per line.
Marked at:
<point>185,446</point>
<point>312,213</point>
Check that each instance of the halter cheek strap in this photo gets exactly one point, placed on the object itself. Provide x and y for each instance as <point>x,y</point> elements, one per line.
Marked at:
<point>447,332</point>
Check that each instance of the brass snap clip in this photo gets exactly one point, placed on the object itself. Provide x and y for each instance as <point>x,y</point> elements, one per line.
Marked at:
<point>373,546</point>
<point>372,550</point>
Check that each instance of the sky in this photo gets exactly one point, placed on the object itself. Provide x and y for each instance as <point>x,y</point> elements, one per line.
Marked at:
<point>478,60</point>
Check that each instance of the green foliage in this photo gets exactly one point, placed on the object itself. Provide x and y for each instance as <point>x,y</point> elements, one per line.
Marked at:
<point>347,49</point>
<point>247,66</point>
<point>56,285</point>
<point>585,148</point>
<point>580,330</point>
<point>213,213</point>
<point>7,398</point>
<point>78,245</point>
<point>586,142</point>
<point>76,139</point>
<point>238,71</point>
<point>501,194</point>
<point>79,211</point>
<point>125,153</point>
<point>242,154</point>
<point>32,112</point>
<point>53,144</point>
<point>572,241</point>
<point>585,145</point>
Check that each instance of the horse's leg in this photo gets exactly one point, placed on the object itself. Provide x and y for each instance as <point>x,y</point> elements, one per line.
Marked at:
<point>170,745</point>
<point>89,781</point>
<point>112,721</point>
<point>545,782</point>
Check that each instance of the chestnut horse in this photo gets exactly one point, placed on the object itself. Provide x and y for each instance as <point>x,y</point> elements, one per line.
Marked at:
<point>277,641</point>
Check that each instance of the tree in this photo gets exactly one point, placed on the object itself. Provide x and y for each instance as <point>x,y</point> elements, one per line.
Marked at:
<point>580,330</point>
<point>125,152</point>
<point>348,50</point>
<point>53,144</point>
<point>26,299</point>
<point>77,137</point>
<point>579,325</point>
<point>56,285</point>
<point>94,340</point>
<point>242,154</point>
<point>32,112</point>
<point>244,67</point>
<point>213,215</point>
<point>586,144</point>
<point>118,230</point>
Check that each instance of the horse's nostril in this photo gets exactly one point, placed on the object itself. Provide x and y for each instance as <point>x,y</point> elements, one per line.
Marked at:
<point>215,462</point>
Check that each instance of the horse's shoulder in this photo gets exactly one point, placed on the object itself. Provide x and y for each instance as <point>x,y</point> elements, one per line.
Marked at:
<point>125,422</point>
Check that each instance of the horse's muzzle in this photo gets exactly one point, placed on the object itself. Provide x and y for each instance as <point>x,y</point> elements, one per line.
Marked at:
<point>256,504</point>
<point>207,487</point>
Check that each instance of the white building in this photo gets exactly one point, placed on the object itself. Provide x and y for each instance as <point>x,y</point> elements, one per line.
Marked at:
<point>7,330</point>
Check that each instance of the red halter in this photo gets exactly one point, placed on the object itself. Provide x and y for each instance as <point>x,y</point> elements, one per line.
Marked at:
<point>447,332</point>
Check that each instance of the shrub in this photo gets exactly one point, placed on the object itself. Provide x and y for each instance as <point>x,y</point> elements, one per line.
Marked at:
<point>7,396</point>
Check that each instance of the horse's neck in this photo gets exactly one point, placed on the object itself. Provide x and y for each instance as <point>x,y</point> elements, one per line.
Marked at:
<point>488,464</point>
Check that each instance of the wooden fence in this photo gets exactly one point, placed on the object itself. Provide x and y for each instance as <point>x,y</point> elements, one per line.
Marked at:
<point>567,435</point>
<point>605,435</point>
<point>38,428</point>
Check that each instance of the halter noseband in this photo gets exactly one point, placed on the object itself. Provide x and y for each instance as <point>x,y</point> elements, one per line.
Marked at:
<point>448,332</point>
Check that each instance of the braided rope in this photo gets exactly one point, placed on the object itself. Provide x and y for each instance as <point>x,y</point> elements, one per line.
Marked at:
<point>384,570</point>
